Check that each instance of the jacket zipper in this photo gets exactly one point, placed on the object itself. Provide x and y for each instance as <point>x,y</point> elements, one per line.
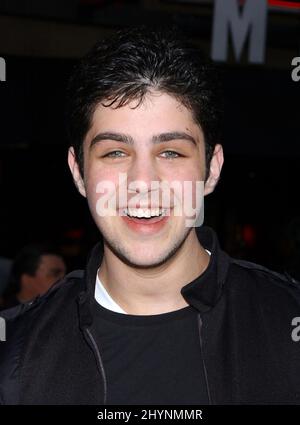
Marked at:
<point>199,321</point>
<point>91,341</point>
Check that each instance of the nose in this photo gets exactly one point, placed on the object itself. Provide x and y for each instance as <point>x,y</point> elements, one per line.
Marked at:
<point>141,174</point>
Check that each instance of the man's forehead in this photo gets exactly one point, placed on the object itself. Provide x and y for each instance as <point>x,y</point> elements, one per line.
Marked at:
<point>166,116</point>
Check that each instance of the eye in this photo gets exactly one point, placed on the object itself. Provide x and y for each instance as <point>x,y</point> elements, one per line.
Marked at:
<point>114,154</point>
<point>171,154</point>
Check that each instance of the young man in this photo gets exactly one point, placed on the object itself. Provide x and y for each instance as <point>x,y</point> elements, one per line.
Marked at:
<point>161,314</point>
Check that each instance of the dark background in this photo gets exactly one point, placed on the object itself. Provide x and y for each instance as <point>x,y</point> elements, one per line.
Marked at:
<point>255,208</point>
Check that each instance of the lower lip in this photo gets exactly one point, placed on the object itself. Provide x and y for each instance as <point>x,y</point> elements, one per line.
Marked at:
<point>145,226</point>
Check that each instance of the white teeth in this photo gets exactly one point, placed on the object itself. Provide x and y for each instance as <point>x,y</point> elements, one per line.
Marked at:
<point>144,212</point>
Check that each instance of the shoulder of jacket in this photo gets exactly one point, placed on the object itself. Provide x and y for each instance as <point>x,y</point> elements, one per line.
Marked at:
<point>283,279</point>
<point>17,322</point>
<point>65,284</point>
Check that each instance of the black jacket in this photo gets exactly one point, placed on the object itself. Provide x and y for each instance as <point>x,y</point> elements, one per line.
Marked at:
<point>245,331</point>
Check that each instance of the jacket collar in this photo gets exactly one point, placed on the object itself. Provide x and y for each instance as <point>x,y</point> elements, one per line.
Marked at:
<point>202,293</point>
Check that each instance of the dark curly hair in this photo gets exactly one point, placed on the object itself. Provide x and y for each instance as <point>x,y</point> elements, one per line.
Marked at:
<point>125,66</point>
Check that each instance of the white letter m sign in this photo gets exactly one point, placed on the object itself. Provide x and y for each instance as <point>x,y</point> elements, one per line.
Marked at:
<point>252,22</point>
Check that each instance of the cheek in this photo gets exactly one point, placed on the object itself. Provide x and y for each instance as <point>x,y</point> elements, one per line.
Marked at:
<point>190,189</point>
<point>95,174</point>
<point>101,189</point>
<point>189,174</point>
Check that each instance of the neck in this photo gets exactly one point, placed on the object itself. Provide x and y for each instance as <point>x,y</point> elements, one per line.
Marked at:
<point>154,290</point>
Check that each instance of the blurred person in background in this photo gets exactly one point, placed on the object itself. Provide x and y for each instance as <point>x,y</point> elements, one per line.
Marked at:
<point>35,269</point>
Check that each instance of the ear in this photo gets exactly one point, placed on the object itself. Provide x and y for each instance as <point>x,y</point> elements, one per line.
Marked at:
<point>74,167</point>
<point>215,168</point>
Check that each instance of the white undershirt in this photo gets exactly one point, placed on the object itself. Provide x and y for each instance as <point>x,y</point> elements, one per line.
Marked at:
<point>104,299</point>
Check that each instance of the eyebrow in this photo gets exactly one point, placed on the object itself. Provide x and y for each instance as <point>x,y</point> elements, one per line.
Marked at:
<point>159,138</point>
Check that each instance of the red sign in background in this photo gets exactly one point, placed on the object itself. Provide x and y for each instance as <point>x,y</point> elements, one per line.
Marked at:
<point>285,4</point>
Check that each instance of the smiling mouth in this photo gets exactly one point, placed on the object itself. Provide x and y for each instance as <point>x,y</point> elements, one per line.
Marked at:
<point>144,213</point>
<point>145,216</point>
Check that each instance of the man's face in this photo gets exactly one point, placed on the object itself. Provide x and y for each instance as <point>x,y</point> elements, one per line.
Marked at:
<point>51,268</point>
<point>154,142</point>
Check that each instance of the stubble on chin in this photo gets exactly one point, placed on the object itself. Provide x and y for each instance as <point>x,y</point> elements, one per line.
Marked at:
<point>127,255</point>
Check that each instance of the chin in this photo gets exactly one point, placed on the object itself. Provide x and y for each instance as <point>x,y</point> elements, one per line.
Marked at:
<point>141,260</point>
<point>138,257</point>
<point>145,263</point>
